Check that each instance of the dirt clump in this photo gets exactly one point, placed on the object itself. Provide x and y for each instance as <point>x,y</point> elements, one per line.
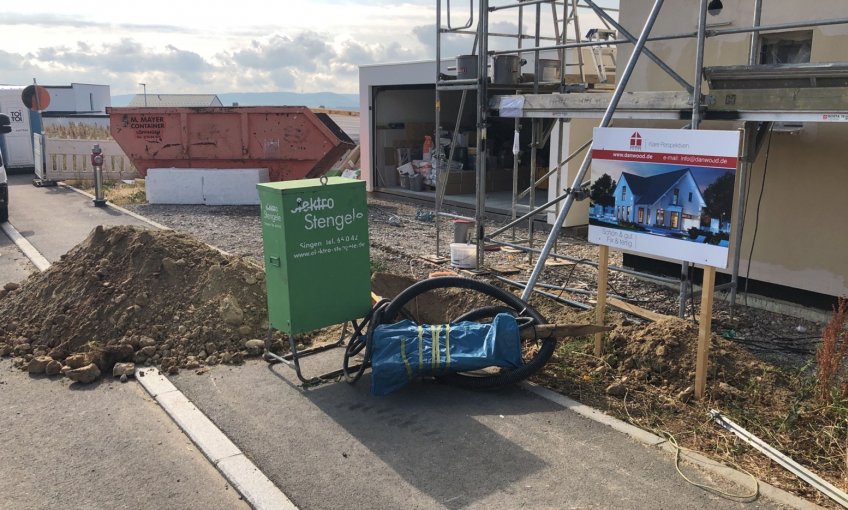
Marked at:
<point>127,294</point>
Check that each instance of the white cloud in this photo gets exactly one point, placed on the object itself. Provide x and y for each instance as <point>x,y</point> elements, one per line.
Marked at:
<point>218,47</point>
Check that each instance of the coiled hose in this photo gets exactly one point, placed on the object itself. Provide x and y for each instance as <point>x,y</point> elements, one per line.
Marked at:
<point>387,311</point>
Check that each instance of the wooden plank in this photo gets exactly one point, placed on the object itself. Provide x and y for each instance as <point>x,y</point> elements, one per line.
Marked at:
<point>828,99</point>
<point>434,259</point>
<point>638,311</point>
<point>704,331</point>
<point>638,100</point>
<point>562,330</point>
<point>600,306</point>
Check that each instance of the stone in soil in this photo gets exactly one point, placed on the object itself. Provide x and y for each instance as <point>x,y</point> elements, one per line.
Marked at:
<point>84,375</point>
<point>123,369</point>
<point>129,288</point>
<point>38,365</point>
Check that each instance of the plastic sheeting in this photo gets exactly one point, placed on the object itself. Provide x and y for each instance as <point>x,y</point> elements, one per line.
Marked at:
<point>405,350</point>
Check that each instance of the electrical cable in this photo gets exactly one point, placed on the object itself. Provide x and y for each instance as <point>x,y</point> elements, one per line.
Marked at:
<point>757,216</point>
<point>677,449</point>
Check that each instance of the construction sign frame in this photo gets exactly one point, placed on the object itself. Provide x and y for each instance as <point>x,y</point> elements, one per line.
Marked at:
<point>666,193</point>
<point>672,195</point>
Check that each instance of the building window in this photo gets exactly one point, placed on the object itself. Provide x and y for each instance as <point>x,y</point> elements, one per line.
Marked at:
<point>623,192</point>
<point>627,213</point>
<point>660,217</point>
<point>676,199</point>
<point>675,220</point>
<point>690,196</point>
<point>641,215</point>
<point>786,47</point>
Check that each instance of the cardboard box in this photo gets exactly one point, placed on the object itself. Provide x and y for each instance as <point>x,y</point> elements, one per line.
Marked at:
<point>460,183</point>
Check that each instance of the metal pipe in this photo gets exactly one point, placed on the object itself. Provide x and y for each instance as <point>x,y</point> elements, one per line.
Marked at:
<point>696,122</point>
<point>499,34</point>
<point>753,51</point>
<point>531,2</point>
<point>798,470</point>
<point>560,165</point>
<point>650,54</point>
<point>534,139</point>
<point>577,37</point>
<point>438,105</point>
<point>482,121</point>
<point>517,128</point>
<point>647,276</point>
<point>519,4</point>
<point>689,35</point>
<point>559,299</point>
<point>469,81</point>
<point>744,169</point>
<point>458,87</point>
<point>467,23</point>
<point>699,65</point>
<point>533,212</point>
<point>605,121</point>
<point>455,216</point>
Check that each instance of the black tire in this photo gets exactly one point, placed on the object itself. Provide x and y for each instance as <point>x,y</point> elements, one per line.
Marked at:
<point>521,309</point>
<point>4,213</point>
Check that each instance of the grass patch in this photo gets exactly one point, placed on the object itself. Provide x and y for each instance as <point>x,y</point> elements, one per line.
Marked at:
<point>116,192</point>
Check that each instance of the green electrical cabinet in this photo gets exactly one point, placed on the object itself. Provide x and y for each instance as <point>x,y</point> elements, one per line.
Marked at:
<point>315,235</point>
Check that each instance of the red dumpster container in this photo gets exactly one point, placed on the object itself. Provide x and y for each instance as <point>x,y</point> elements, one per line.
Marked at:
<point>292,142</point>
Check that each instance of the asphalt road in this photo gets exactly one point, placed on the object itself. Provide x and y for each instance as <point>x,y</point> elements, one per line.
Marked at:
<point>103,446</point>
<point>56,219</point>
<point>434,446</point>
<point>14,266</point>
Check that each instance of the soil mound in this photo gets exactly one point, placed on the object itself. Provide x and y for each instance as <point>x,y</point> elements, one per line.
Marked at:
<point>663,354</point>
<point>128,294</point>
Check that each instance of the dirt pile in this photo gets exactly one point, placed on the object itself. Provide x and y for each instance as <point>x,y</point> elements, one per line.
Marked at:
<point>663,355</point>
<point>127,294</point>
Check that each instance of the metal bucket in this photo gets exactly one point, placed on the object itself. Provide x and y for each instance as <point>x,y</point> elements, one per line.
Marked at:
<point>507,69</point>
<point>547,70</point>
<point>466,67</point>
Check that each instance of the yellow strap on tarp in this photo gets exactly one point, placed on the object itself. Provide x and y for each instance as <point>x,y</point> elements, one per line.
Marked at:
<point>405,359</point>
<point>420,348</point>
<point>447,347</point>
<point>434,331</point>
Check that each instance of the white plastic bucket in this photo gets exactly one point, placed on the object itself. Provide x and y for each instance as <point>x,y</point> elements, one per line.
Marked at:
<point>463,255</point>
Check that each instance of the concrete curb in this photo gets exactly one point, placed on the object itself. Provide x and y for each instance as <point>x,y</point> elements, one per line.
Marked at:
<point>739,478</point>
<point>118,208</point>
<point>243,475</point>
<point>38,260</point>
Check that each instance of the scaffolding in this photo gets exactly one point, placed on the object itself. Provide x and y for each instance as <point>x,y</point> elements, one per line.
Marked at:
<point>796,93</point>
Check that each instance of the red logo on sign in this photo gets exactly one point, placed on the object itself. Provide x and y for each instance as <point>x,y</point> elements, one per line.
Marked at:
<point>635,141</point>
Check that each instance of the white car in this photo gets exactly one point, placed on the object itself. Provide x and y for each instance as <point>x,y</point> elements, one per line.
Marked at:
<point>4,193</point>
<point>4,184</point>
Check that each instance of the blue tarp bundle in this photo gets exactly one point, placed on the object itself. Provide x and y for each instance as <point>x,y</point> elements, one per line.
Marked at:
<point>405,350</point>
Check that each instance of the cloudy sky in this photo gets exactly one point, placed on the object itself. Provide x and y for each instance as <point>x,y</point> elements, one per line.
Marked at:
<point>216,47</point>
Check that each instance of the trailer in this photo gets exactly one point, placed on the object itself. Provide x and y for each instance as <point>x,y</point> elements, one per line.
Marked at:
<point>292,142</point>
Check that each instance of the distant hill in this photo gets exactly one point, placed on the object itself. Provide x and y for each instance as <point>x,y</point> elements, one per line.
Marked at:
<point>312,100</point>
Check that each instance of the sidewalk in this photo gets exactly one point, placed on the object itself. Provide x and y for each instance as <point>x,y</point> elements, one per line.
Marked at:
<point>56,219</point>
<point>334,446</point>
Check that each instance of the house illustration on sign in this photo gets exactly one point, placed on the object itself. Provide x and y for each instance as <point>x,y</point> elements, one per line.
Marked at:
<point>669,201</point>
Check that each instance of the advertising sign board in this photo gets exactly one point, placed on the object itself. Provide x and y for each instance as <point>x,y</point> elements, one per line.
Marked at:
<point>664,192</point>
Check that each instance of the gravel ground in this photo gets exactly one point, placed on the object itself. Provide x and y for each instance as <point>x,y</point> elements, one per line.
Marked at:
<point>399,237</point>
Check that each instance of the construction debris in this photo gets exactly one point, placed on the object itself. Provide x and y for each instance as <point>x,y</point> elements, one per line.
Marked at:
<point>132,295</point>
